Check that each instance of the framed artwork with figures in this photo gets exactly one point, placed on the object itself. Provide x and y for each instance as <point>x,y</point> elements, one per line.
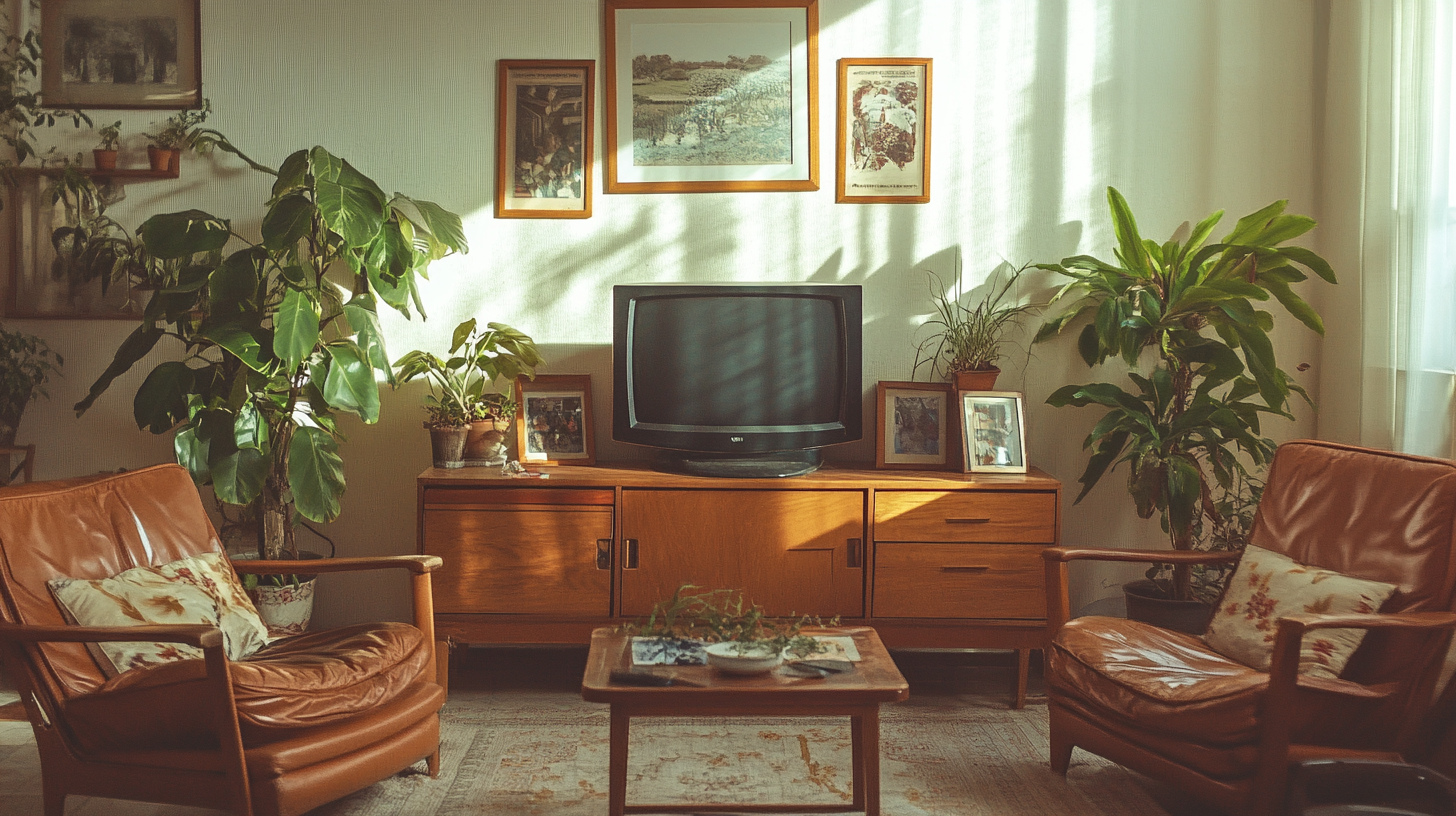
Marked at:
<point>914,427</point>
<point>544,138</point>
<point>554,420</point>
<point>993,432</point>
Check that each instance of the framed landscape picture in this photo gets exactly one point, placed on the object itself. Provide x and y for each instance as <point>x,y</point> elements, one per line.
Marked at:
<point>915,427</point>
<point>554,420</point>
<point>883,147</point>
<point>993,432</point>
<point>544,138</point>
<point>121,53</point>
<point>714,96</point>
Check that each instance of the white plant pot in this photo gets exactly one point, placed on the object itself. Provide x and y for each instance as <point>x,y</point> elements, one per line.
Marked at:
<point>285,610</point>
<point>733,658</point>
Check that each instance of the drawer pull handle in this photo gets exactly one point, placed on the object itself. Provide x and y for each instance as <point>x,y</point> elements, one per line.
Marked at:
<point>967,521</point>
<point>963,569</point>
<point>629,558</point>
<point>604,553</point>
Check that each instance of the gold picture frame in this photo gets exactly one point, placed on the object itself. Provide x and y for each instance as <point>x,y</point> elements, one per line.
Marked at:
<point>554,420</point>
<point>993,432</point>
<point>544,111</point>
<point>916,426</point>
<point>882,152</point>
<point>137,54</point>
<point>683,117</point>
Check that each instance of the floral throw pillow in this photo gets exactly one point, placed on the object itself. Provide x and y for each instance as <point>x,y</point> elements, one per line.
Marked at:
<point>1268,586</point>
<point>196,589</point>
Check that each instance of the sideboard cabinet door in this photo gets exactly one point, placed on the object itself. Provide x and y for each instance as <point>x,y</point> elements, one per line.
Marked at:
<point>790,551</point>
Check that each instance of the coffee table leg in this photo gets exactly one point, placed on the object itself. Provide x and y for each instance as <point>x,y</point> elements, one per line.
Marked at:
<point>869,736</point>
<point>857,760</point>
<point>617,773</point>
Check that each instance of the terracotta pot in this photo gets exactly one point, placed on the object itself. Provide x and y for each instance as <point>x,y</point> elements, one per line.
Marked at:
<point>1147,603</point>
<point>105,159</point>
<point>981,379</point>
<point>163,159</point>
<point>485,444</point>
<point>447,445</point>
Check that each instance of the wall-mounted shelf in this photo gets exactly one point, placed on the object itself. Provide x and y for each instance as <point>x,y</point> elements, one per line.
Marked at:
<point>119,174</point>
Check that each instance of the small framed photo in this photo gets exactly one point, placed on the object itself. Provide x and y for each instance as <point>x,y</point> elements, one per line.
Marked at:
<point>883,149</point>
<point>993,432</point>
<point>915,427</point>
<point>711,96</point>
<point>544,138</point>
<point>554,420</point>
<point>106,54</point>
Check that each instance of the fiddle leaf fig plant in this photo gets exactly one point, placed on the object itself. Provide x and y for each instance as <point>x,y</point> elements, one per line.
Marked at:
<point>280,334</point>
<point>1194,420</point>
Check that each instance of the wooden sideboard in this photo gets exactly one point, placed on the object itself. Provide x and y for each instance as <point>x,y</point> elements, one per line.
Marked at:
<point>930,559</point>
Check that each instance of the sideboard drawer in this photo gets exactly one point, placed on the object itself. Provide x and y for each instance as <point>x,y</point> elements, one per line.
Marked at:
<point>986,516</point>
<point>959,581</point>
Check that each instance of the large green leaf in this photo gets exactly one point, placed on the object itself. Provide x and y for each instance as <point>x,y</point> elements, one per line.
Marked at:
<point>1296,305</point>
<point>1303,256</point>
<point>292,173</point>
<point>363,318</point>
<point>250,429</point>
<point>1125,226</point>
<point>355,214</point>
<point>238,477</point>
<point>1253,223</point>
<point>133,348</point>
<point>287,220</point>
<point>350,384</point>
<point>179,234</point>
<point>235,281</point>
<point>161,401</point>
<point>389,253</point>
<point>241,341</point>
<point>191,452</point>
<point>295,327</point>
<point>315,474</point>
<point>394,293</point>
<point>325,165</point>
<point>444,226</point>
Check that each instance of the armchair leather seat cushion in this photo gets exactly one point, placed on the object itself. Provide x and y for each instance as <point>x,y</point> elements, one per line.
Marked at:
<point>305,682</point>
<point>1170,687</point>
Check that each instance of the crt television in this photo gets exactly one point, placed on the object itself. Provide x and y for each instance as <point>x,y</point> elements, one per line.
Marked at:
<point>742,379</point>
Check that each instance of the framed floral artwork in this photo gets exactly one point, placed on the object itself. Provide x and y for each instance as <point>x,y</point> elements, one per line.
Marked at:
<point>554,420</point>
<point>544,138</point>
<point>711,95</point>
<point>883,146</point>
<point>133,54</point>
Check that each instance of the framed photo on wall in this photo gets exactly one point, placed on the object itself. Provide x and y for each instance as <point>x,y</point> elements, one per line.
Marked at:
<point>993,432</point>
<point>883,148</point>
<point>915,427</point>
<point>544,138</point>
<point>712,95</point>
<point>109,54</point>
<point>554,420</point>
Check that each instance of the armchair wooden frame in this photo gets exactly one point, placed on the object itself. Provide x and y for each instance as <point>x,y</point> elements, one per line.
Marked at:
<point>66,770</point>
<point>1263,795</point>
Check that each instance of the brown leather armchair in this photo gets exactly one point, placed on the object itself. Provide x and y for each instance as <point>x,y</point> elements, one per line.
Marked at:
<point>1164,704</point>
<point>301,722</point>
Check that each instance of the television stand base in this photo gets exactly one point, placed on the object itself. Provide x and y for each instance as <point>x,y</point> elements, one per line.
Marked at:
<point>744,466</point>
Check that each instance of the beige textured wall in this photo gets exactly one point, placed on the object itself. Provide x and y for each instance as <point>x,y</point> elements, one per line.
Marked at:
<point>1038,106</point>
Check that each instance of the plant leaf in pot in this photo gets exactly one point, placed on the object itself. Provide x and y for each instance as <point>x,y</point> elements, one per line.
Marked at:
<point>968,337</point>
<point>1190,428</point>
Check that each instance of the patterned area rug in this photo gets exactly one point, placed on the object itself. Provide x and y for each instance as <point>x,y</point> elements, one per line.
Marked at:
<point>518,751</point>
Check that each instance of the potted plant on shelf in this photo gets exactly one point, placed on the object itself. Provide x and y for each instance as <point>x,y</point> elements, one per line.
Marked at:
<point>167,140</point>
<point>467,420</point>
<point>272,351</point>
<point>1190,429</point>
<point>967,338</point>
<point>104,154</point>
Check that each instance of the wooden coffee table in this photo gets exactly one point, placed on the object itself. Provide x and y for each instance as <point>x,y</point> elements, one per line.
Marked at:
<point>856,694</point>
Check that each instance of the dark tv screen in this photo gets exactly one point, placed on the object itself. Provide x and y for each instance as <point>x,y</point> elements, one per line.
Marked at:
<point>736,363</point>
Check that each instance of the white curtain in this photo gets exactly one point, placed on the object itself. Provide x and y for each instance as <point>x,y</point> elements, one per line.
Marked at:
<point>1405,278</point>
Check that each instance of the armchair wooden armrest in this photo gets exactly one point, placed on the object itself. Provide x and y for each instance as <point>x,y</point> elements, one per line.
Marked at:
<point>421,592</point>
<point>1280,704</point>
<point>1055,560</point>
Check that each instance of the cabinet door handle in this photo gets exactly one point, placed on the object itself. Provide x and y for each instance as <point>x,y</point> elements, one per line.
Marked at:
<point>629,555</point>
<point>963,569</point>
<point>604,553</point>
<point>855,553</point>
<point>967,521</point>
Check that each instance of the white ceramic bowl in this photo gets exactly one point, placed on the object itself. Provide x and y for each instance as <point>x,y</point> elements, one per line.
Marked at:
<point>729,658</point>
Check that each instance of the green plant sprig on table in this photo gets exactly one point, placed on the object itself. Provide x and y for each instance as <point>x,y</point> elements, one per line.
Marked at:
<point>970,336</point>
<point>725,616</point>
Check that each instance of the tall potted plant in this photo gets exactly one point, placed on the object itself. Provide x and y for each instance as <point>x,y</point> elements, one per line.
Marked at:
<point>460,402</point>
<point>967,338</point>
<point>273,350</point>
<point>1190,430</point>
<point>26,365</point>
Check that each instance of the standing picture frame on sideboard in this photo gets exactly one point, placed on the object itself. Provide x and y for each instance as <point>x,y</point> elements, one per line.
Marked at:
<point>916,426</point>
<point>993,432</point>
<point>554,420</point>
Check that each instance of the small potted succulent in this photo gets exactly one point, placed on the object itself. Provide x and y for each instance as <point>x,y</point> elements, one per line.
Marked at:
<point>105,152</point>
<point>468,421</point>
<point>967,338</point>
<point>167,140</point>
